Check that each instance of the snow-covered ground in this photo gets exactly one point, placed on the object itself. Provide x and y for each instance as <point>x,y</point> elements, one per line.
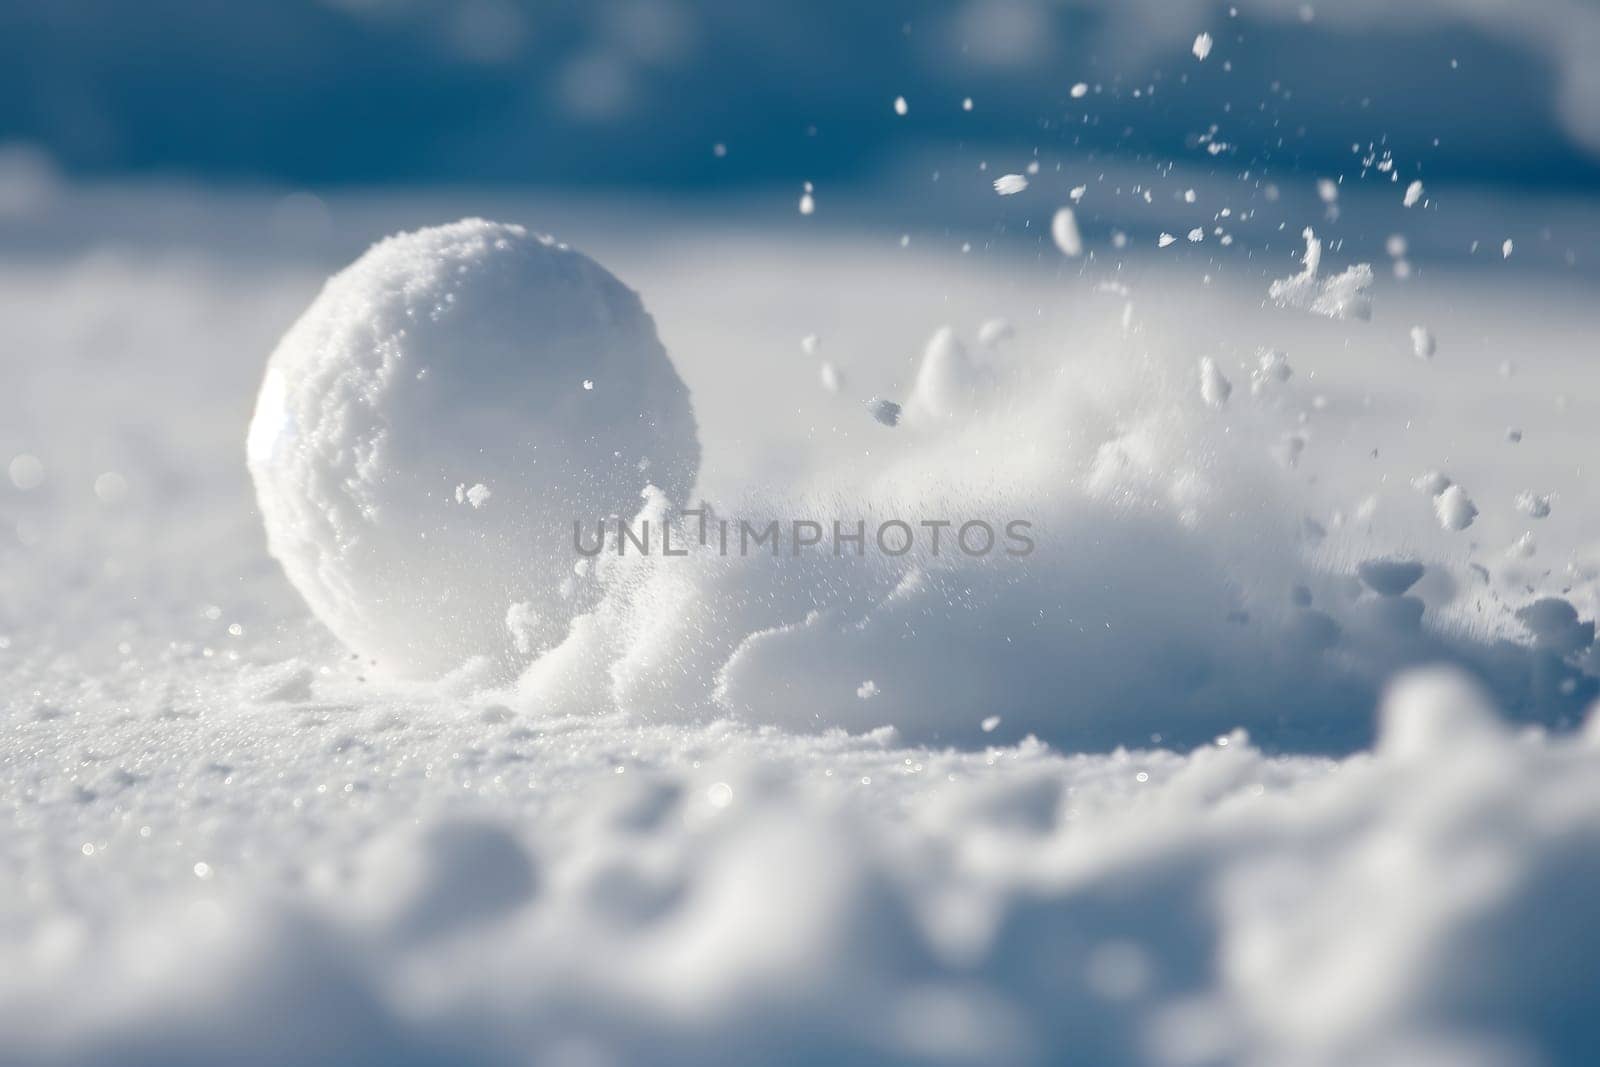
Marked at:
<point>695,831</point>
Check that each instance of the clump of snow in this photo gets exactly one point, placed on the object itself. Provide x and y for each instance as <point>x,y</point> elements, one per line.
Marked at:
<point>444,350</point>
<point>1214,388</point>
<point>884,411</point>
<point>1064,231</point>
<point>1272,369</point>
<point>1413,194</point>
<point>1202,46</point>
<point>832,377</point>
<point>1454,508</point>
<point>1342,296</point>
<point>1080,90</point>
<point>1533,505</point>
<point>900,106</point>
<point>1010,184</point>
<point>949,382</point>
<point>1423,345</point>
<point>1432,482</point>
<point>478,495</point>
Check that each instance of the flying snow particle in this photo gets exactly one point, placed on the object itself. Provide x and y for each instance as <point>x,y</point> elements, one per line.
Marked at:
<point>948,381</point>
<point>27,473</point>
<point>1080,90</point>
<point>810,343</point>
<point>1342,296</point>
<point>885,411</point>
<point>1422,343</point>
<point>1164,240</point>
<point>1010,184</point>
<point>1505,249</point>
<point>867,689</point>
<point>1413,194</point>
<point>1197,235</point>
<point>808,202</point>
<point>900,107</point>
<point>1454,508</point>
<point>477,496</point>
<point>990,724</point>
<point>1064,230</point>
<point>1214,388</point>
<point>832,378</point>
<point>110,487</point>
<point>348,457</point>
<point>1328,190</point>
<point>966,104</point>
<point>1513,435</point>
<point>1532,505</point>
<point>1202,46</point>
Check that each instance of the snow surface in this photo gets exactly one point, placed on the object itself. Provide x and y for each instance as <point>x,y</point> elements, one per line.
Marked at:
<point>685,835</point>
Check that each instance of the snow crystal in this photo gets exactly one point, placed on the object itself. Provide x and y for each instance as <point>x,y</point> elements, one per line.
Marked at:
<point>1342,296</point>
<point>1064,231</point>
<point>1010,184</point>
<point>1454,508</point>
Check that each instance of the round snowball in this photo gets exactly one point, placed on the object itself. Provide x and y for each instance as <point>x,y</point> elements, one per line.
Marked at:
<point>432,427</point>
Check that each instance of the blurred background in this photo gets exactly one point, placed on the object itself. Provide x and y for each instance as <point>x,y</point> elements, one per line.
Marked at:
<point>699,97</point>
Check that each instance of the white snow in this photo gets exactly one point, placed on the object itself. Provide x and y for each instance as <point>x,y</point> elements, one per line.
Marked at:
<point>1064,230</point>
<point>1423,345</point>
<point>1413,194</point>
<point>1454,508</point>
<point>1533,505</point>
<point>501,320</point>
<point>1080,90</point>
<point>1010,184</point>
<point>1214,388</point>
<point>900,107</point>
<point>1341,296</point>
<point>1202,46</point>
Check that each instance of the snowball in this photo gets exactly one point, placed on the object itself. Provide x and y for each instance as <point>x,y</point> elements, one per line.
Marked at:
<point>448,355</point>
<point>1202,46</point>
<point>1214,388</point>
<point>1343,296</point>
<point>1064,230</point>
<point>1010,184</point>
<point>1413,194</point>
<point>1423,345</point>
<point>1454,508</point>
<point>1533,505</point>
